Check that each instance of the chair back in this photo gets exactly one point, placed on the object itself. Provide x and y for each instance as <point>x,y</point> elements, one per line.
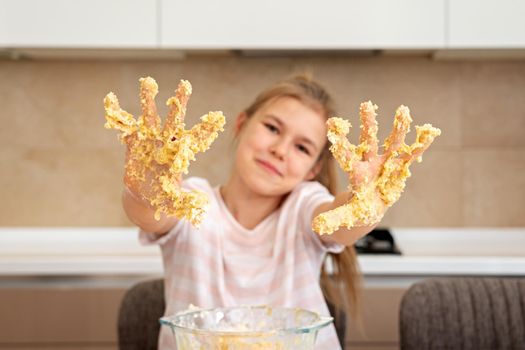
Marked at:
<point>464,313</point>
<point>139,314</point>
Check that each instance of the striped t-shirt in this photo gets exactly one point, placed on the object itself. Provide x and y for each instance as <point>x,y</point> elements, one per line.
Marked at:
<point>277,263</point>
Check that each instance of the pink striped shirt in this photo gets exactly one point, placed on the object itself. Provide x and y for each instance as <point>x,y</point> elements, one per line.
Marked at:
<point>224,264</point>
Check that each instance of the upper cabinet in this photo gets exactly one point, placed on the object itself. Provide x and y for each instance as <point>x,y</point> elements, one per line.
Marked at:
<point>3,26</point>
<point>302,24</point>
<point>264,24</point>
<point>498,24</point>
<point>78,23</point>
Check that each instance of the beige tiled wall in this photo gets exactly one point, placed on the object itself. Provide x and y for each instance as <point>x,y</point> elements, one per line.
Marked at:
<point>60,167</point>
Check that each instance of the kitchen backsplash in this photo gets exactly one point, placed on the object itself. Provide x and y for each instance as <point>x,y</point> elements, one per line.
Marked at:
<point>60,167</point>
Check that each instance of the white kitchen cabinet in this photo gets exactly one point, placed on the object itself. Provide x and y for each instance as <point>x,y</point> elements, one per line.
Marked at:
<point>3,27</point>
<point>300,24</point>
<point>474,24</point>
<point>78,24</point>
<point>270,24</point>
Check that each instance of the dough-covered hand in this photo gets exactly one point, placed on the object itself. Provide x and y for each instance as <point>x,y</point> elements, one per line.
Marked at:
<point>376,181</point>
<point>157,156</point>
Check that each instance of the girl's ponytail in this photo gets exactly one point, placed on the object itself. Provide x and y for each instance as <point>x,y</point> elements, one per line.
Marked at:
<point>342,283</point>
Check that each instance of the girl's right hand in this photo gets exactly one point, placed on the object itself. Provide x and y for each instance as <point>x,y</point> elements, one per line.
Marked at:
<point>137,195</point>
<point>145,187</point>
<point>157,157</point>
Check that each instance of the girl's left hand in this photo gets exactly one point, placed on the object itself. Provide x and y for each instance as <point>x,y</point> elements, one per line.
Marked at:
<point>376,181</point>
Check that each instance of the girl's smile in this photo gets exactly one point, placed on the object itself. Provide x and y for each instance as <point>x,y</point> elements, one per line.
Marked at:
<point>269,167</point>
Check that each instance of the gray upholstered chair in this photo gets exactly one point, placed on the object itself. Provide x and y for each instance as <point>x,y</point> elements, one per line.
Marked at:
<point>464,313</point>
<point>143,305</point>
<point>138,319</point>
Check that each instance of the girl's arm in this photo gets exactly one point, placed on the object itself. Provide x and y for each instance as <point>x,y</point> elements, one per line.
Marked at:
<point>343,235</point>
<point>142,214</point>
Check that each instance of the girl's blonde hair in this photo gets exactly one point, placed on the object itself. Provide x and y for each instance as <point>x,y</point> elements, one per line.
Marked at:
<point>345,278</point>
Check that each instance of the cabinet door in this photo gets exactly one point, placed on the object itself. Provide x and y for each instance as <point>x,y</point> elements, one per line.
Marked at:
<point>486,24</point>
<point>79,23</point>
<point>65,317</point>
<point>302,24</point>
<point>380,319</point>
<point>3,20</point>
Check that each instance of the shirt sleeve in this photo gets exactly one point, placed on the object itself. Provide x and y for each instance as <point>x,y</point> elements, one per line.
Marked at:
<point>314,194</point>
<point>192,183</point>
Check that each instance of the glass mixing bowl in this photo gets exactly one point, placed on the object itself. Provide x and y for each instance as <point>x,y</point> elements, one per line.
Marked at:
<point>246,328</point>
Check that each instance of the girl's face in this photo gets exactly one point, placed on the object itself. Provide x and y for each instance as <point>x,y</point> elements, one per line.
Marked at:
<point>279,146</point>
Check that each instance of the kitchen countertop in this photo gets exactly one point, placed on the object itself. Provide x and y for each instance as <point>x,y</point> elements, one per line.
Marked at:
<point>111,251</point>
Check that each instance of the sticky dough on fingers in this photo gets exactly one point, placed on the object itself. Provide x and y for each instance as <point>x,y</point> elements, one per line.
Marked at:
<point>392,181</point>
<point>172,146</point>
<point>363,208</point>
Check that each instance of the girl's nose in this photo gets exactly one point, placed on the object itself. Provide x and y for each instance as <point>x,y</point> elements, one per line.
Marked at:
<point>279,149</point>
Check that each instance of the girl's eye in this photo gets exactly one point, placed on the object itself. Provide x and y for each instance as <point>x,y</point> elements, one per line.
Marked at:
<point>303,149</point>
<point>271,127</point>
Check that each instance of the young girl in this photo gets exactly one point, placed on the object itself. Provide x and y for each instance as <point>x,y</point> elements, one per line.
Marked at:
<point>256,245</point>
